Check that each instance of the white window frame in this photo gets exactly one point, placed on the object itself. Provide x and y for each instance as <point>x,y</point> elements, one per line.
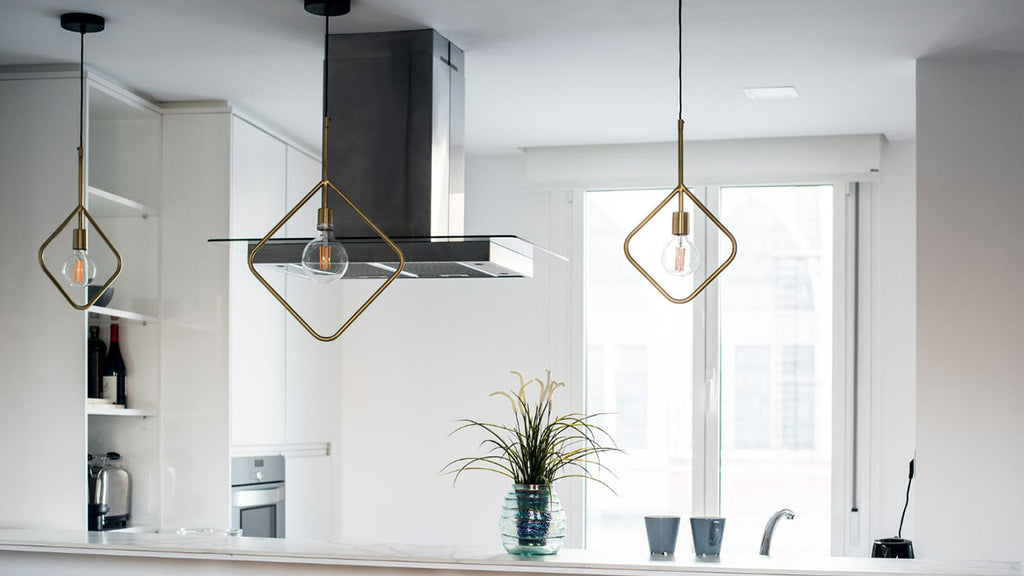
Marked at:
<point>849,527</point>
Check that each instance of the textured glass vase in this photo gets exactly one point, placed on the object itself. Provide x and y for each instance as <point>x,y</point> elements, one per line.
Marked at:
<point>532,520</point>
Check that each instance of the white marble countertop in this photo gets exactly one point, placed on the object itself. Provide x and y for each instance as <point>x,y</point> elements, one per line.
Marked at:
<point>628,563</point>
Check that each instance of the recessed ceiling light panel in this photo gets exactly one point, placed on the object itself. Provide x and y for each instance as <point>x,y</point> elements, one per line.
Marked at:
<point>772,93</point>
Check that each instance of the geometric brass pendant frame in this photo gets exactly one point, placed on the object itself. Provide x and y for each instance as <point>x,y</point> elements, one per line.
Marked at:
<point>81,23</point>
<point>325,185</point>
<point>326,8</point>
<point>81,211</point>
<point>682,190</point>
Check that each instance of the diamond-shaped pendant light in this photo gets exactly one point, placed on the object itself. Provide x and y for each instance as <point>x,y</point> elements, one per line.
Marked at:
<point>79,270</point>
<point>324,258</point>
<point>680,257</point>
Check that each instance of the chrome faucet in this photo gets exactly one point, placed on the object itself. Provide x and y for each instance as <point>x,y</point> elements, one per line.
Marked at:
<point>769,529</point>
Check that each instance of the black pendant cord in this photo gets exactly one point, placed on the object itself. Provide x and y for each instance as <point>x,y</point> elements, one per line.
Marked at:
<point>81,124</point>
<point>81,90</point>
<point>680,59</point>
<point>910,480</point>
<point>327,34</point>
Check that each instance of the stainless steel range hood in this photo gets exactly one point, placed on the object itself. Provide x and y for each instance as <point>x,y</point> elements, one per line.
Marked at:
<point>426,257</point>
<point>396,103</point>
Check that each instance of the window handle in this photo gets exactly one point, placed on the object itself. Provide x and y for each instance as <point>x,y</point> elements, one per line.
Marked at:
<point>711,391</point>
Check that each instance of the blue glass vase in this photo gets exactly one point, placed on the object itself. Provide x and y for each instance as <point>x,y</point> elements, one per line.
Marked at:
<point>532,520</point>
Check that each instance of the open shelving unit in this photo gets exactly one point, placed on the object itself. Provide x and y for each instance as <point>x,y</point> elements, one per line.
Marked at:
<point>122,194</point>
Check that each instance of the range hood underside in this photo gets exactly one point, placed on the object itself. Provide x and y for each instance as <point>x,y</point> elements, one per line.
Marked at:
<point>468,257</point>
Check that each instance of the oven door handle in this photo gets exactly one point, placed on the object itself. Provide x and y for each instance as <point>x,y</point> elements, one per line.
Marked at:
<point>256,497</point>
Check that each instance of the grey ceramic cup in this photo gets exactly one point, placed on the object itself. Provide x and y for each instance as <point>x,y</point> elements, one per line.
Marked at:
<point>662,532</point>
<point>707,535</point>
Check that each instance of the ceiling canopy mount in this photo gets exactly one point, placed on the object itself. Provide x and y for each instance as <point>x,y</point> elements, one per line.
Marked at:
<point>82,22</point>
<point>328,7</point>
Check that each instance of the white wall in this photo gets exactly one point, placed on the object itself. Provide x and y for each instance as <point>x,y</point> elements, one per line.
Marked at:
<point>426,354</point>
<point>970,316</point>
<point>893,394</point>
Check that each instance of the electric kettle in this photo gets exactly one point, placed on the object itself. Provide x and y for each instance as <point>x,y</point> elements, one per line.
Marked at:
<point>110,496</point>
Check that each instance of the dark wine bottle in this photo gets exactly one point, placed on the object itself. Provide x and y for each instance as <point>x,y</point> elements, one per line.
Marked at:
<point>114,373</point>
<point>97,354</point>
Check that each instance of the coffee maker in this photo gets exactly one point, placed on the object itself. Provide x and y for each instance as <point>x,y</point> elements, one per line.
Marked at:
<point>110,496</point>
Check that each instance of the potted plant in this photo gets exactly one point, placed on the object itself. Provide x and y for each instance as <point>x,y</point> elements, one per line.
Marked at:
<point>538,449</point>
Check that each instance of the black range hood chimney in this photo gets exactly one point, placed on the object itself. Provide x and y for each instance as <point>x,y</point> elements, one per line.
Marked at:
<point>396,103</point>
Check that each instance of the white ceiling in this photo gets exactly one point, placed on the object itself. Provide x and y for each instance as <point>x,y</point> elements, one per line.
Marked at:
<point>547,72</point>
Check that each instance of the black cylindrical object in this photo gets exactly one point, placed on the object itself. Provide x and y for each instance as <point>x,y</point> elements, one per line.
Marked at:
<point>892,548</point>
<point>114,373</point>
<point>97,354</point>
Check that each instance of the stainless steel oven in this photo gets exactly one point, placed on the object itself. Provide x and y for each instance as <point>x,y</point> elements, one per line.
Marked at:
<point>257,496</point>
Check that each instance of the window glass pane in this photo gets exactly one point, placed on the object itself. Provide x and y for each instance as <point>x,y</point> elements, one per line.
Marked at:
<point>753,420</point>
<point>639,369</point>
<point>776,365</point>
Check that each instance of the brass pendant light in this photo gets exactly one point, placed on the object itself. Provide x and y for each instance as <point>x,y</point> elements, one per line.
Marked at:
<point>680,257</point>
<point>79,270</point>
<point>324,259</point>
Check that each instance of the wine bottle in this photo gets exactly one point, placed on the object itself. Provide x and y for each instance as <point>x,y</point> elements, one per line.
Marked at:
<point>97,354</point>
<point>114,373</point>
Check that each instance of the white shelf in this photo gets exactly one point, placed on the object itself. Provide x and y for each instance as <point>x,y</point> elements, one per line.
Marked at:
<point>122,315</point>
<point>100,410</point>
<point>103,203</point>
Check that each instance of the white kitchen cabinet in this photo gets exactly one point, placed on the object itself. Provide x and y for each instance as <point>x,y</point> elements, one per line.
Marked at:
<point>257,346</point>
<point>196,482</point>
<point>44,340</point>
<point>279,392</point>
<point>313,370</point>
<point>247,394</point>
<point>308,498</point>
<point>205,345</point>
<point>303,174</point>
<point>42,343</point>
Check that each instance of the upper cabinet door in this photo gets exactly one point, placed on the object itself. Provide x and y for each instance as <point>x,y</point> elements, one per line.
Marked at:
<point>257,343</point>
<point>313,370</point>
<point>42,344</point>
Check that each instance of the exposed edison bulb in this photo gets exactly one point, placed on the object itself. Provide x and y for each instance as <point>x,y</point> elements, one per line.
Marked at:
<point>680,257</point>
<point>324,258</point>
<point>78,270</point>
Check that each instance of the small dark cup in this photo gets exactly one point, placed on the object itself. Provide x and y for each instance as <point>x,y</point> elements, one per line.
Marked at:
<point>662,533</point>
<point>707,535</point>
<point>892,548</point>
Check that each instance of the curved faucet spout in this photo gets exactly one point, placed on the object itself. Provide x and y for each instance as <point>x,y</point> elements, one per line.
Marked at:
<point>769,528</point>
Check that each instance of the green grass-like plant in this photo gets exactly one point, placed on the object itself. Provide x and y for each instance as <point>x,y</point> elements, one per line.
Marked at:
<point>539,448</point>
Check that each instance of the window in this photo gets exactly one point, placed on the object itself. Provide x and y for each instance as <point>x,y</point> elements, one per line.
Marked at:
<point>766,443</point>
<point>637,350</point>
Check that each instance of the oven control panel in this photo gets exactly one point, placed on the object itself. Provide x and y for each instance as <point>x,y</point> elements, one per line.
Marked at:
<point>246,470</point>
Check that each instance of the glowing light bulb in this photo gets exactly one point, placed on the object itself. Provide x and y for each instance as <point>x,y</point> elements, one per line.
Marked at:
<point>78,270</point>
<point>680,257</point>
<point>324,258</point>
